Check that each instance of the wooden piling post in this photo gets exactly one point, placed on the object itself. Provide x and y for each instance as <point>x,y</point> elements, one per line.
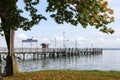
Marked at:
<point>33,56</point>
<point>44,55</point>
<point>23,56</point>
<point>0,58</point>
<point>37,55</point>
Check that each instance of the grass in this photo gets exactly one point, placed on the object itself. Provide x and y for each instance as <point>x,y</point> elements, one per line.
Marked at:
<point>66,75</point>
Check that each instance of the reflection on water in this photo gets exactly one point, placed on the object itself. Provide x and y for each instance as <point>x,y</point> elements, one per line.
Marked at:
<point>109,60</point>
<point>85,62</point>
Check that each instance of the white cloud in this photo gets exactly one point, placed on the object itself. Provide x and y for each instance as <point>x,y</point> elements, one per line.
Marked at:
<point>21,36</point>
<point>80,39</point>
<point>118,39</point>
<point>46,40</point>
<point>101,39</point>
<point>59,38</point>
<point>2,41</point>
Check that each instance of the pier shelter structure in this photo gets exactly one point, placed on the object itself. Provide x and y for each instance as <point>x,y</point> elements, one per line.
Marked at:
<point>30,41</point>
<point>45,47</point>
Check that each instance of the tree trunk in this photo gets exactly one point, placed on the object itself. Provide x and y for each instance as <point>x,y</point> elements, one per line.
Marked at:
<point>11,64</point>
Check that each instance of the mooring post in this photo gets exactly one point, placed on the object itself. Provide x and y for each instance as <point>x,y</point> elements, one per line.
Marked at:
<point>66,52</point>
<point>34,56</point>
<point>44,55</point>
<point>23,56</point>
<point>49,55</point>
<point>0,58</point>
<point>37,55</point>
<point>57,55</point>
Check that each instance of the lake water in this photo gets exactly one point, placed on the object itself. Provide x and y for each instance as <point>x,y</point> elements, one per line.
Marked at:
<point>108,60</point>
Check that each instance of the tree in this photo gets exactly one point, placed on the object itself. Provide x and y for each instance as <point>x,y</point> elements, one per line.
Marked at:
<point>89,12</point>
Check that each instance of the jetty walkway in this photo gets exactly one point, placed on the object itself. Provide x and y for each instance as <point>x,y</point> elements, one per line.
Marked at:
<point>52,52</point>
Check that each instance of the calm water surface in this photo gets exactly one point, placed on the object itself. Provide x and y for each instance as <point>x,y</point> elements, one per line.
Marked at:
<point>109,60</point>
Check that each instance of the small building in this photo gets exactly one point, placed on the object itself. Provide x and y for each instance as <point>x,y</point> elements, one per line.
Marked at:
<point>45,47</point>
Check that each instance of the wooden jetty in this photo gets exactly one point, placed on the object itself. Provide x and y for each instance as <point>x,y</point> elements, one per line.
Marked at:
<point>52,52</point>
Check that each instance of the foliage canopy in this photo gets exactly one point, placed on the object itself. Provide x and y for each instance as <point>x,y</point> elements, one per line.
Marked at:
<point>84,12</point>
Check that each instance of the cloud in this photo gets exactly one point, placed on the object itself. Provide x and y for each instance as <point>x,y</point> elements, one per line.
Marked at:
<point>21,36</point>
<point>59,38</point>
<point>80,39</point>
<point>45,40</point>
<point>2,42</point>
<point>118,39</point>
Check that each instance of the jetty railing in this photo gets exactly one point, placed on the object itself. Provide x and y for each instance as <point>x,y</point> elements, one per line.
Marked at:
<point>53,52</point>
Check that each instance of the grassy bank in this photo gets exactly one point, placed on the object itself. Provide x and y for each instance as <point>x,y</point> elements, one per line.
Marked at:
<point>66,75</point>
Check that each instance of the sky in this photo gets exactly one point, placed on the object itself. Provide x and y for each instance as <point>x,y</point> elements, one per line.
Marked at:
<point>53,33</point>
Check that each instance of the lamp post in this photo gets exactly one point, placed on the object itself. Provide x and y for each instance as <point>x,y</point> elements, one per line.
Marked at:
<point>22,46</point>
<point>55,42</point>
<point>67,42</point>
<point>36,45</point>
<point>92,45</point>
<point>75,43</point>
<point>31,42</point>
<point>63,39</point>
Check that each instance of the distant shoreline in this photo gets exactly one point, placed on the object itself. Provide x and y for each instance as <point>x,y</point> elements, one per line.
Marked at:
<point>111,48</point>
